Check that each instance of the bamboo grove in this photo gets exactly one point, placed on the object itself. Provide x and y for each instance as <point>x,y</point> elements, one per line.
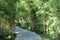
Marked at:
<point>41,16</point>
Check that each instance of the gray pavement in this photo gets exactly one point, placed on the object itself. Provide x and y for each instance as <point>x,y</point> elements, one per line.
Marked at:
<point>23,34</point>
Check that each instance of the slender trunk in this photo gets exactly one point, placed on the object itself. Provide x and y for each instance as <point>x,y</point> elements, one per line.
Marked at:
<point>44,27</point>
<point>11,24</point>
<point>12,15</point>
<point>34,21</point>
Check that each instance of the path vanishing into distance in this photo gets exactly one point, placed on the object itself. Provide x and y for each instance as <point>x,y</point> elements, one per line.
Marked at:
<point>23,34</point>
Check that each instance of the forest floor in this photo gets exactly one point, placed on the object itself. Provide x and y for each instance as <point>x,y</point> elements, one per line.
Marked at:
<point>45,37</point>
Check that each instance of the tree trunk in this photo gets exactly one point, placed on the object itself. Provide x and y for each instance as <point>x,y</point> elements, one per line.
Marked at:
<point>34,21</point>
<point>11,24</point>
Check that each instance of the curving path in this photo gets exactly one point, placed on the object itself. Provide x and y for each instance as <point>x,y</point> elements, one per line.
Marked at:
<point>23,34</point>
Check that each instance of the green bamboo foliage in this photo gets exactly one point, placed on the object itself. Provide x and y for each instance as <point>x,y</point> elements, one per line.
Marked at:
<point>42,16</point>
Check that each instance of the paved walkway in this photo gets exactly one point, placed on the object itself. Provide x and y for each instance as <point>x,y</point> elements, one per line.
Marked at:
<point>23,34</point>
